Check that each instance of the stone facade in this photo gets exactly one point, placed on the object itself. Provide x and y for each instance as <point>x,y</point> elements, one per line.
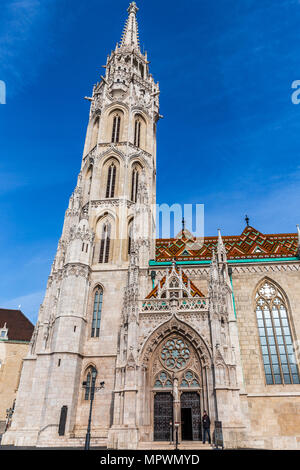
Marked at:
<point>180,333</point>
<point>15,333</point>
<point>12,354</point>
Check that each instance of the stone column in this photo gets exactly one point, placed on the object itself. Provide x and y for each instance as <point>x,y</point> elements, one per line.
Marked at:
<point>176,409</point>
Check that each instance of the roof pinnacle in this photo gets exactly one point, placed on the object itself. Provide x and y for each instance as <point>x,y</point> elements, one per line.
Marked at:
<point>130,36</point>
<point>132,8</point>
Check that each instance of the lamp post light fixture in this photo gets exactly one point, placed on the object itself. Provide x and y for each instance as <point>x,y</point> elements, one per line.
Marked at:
<point>92,391</point>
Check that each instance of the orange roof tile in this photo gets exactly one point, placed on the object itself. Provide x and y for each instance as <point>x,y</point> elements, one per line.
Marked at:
<point>250,244</point>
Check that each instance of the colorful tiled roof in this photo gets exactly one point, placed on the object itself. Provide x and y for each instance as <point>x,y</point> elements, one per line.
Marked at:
<point>250,244</point>
<point>19,327</point>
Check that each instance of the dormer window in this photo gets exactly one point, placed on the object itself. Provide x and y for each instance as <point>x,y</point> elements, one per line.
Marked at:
<point>3,332</point>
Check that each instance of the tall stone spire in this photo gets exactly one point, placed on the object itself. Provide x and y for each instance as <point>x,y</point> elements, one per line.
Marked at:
<point>130,35</point>
<point>222,259</point>
<point>221,250</point>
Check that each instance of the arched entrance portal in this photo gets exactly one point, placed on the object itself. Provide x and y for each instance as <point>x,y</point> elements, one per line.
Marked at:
<point>179,390</point>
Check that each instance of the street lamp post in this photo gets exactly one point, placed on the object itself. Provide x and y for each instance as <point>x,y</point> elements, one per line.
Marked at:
<point>93,389</point>
<point>171,431</point>
<point>176,435</point>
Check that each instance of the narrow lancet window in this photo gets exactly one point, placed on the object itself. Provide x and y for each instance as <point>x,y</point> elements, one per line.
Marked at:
<point>105,244</point>
<point>137,132</point>
<point>111,181</point>
<point>116,128</point>
<point>98,299</point>
<point>130,236</point>
<point>95,132</point>
<point>134,184</point>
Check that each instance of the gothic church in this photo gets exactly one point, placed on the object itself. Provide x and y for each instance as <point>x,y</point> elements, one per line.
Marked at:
<point>171,330</point>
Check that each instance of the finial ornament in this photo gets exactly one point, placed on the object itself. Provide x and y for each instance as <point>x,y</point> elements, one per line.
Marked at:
<point>298,250</point>
<point>132,8</point>
<point>247,220</point>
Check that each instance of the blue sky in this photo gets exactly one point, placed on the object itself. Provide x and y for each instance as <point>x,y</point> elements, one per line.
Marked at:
<point>225,69</point>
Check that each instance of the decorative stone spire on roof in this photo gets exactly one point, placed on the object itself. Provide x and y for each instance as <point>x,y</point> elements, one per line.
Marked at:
<point>130,35</point>
<point>298,231</point>
<point>222,258</point>
<point>214,271</point>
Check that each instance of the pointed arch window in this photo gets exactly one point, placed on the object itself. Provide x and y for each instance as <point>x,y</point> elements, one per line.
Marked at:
<point>95,133</point>
<point>89,185</point>
<point>89,177</point>
<point>163,380</point>
<point>90,381</point>
<point>130,226</point>
<point>190,379</point>
<point>96,320</point>
<point>116,128</point>
<point>137,132</point>
<point>275,336</point>
<point>105,243</point>
<point>111,181</point>
<point>134,184</point>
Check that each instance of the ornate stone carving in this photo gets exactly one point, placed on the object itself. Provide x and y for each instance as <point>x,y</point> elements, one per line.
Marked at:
<point>174,325</point>
<point>75,203</point>
<point>34,337</point>
<point>82,233</point>
<point>76,269</point>
<point>106,203</point>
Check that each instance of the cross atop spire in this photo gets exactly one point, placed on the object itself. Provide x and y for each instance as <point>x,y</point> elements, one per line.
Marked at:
<point>130,35</point>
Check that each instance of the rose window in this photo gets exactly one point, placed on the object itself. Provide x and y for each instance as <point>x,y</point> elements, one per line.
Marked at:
<point>175,354</point>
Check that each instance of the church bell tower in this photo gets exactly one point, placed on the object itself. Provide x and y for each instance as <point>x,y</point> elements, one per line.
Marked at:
<point>120,149</point>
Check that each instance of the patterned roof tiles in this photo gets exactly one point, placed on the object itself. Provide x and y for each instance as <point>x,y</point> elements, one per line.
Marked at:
<point>250,244</point>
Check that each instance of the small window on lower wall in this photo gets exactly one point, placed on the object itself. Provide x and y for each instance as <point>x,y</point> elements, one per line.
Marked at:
<point>280,363</point>
<point>62,420</point>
